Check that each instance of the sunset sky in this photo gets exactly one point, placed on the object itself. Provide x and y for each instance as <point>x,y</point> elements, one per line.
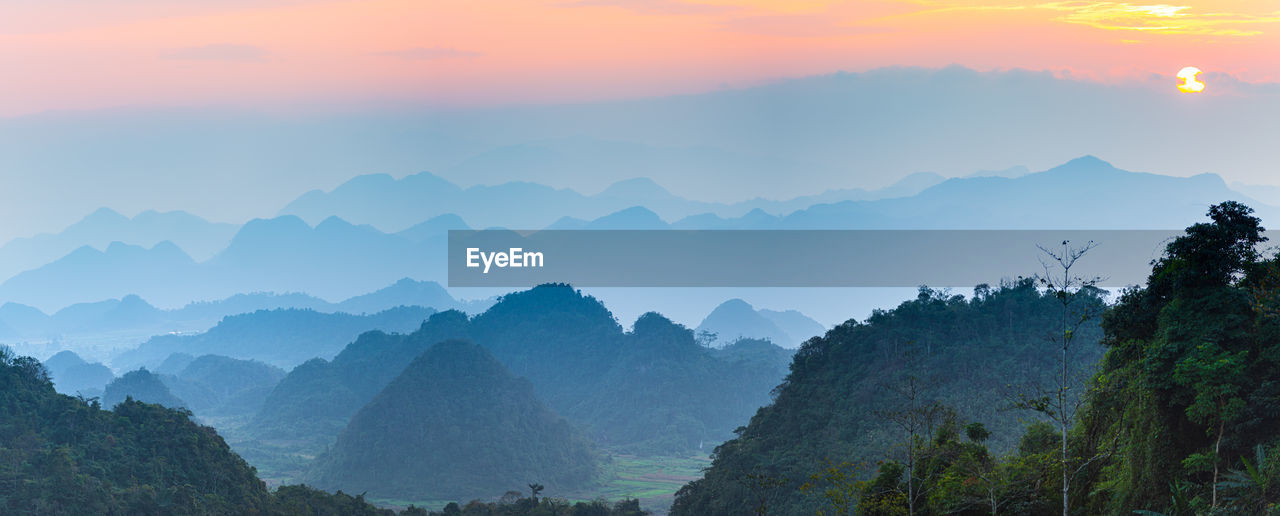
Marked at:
<point>342,56</point>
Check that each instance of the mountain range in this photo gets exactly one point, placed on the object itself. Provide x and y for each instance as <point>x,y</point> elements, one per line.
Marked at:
<point>336,259</point>
<point>132,315</point>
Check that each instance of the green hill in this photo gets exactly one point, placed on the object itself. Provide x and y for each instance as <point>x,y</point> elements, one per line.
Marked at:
<point>651,390</point>
<point>140,385</point>
<point>455,424</point>
<point>971,355</point>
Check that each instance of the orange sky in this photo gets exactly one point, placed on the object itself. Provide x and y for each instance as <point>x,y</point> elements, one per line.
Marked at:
<point>86,54</point>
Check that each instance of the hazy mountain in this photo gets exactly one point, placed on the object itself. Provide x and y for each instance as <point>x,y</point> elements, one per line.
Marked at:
<point>1081,194</point>
<point>214,385</point>
<point>283,337</point>
<point>121,269</point>
<point>405,292</point>
<point>799,327</point>
<point>24,320</point>
<point>1269,194</point>
<point>434,228</point>
<point>333,260</point>
<point>736,319</point>
<point>175,363</point>
<point>1084,193</point>
<point>617,387</point>
<point>71,374</point>
<point>455,424</point>
<point>397,204</point>
<point>199,238</point>
<point>142,386</point>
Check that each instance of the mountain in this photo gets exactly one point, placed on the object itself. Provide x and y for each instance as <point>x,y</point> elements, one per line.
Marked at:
<point>67,455</point>
<point>654,389</point>
<point>1084,193</point>
<point>139,385</point>
<point>798,326</point>
<point>455,424</point>
<point>736,319</point>
<point>400,205</point>
<point>120,269</point>
<point>839,399</point>
<point>213,385</point>
<point>282,337</point>
<point>197,237</point>
<point>405,292</point>
<point>71,374</point>
<point>333,260</point>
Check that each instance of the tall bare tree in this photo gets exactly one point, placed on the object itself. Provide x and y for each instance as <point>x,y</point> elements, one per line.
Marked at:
<point>1061,280</point>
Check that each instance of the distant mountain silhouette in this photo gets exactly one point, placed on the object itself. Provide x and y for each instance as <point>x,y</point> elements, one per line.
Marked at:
<point>132,315</point>
<point>283,337</point>
<point>142,386</point>
<point>120,269</point>
<point>336,259</point>
<point>214,385</point>
<point>1084,193</point>
<point>72,375</point>
<point>194,235</point>
<point>397,204</point>
<point>455,424</point>
<point>736,319</point>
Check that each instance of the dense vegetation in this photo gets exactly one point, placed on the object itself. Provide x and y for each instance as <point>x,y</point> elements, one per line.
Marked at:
<point>1179,418</point>
<point>218,386</point>
<point>841,400</point>
<point>143,386</point>
<point>64,455</point>
<point>651,390</point>
<point>455,425</point>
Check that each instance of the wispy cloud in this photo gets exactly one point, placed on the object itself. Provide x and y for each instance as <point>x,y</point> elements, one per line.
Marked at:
<point>656,6</point>
<point>797,25</point>
<point>1161,18</point>
<point>1125,16</point>
<point>220,52</point>
<point>429,53</point>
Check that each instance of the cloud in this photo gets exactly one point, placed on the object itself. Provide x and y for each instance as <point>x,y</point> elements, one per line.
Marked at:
<point>429,53</point>
<point>797,25</point>
<point>656,6</point>
<point>220,52</point>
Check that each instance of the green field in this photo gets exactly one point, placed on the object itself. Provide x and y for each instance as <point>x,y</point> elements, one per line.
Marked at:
<point>652,480</point>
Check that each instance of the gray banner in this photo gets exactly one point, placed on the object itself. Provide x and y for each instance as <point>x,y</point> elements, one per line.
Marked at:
<point>792,258</point>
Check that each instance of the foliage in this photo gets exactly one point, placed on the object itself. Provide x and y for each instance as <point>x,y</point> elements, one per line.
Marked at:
<point>654,390</point>
<point>455,424</point>
<point>971,355</point>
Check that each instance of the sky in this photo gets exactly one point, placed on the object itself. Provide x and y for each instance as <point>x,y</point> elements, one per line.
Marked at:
<point>302,54</point>
<point>231,108</point>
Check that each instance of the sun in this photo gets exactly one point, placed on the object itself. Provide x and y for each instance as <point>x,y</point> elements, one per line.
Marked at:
<point>1189,83</point>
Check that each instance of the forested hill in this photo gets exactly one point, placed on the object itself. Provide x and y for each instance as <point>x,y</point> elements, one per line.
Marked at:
<point>973,355</point>
<point>65,455</point>
<point>458,425</point>
<point>651,390</point>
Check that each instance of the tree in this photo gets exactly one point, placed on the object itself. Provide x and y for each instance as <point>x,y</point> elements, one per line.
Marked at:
<point>914,415</point>
<point>1214,375</point>
<point>1067,287</point>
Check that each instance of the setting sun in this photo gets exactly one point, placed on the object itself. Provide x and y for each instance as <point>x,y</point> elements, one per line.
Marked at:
<point>1189,83</point>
